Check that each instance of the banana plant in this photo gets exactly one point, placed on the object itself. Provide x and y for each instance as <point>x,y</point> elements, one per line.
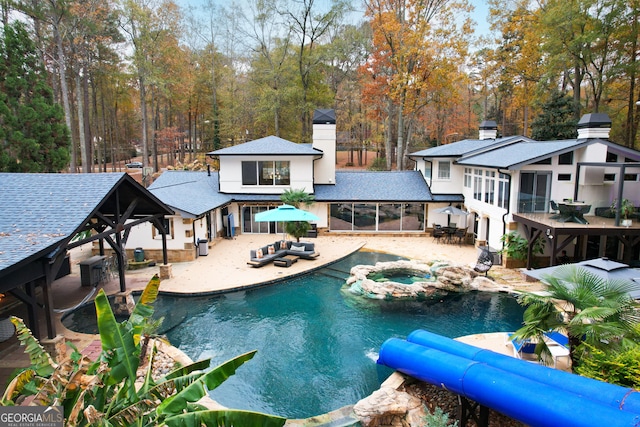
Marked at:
<point>105,392</point>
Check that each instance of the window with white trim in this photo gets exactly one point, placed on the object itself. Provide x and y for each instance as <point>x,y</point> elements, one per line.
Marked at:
<point>477,184</point>
<point>489,186</point>
<point>467,177</point>
<point>268,172</point>
<point>167,223</point>
<point>444,170</point>
<point>503,190</point>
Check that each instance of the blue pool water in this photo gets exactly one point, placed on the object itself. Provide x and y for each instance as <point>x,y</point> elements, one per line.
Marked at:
<point>316,345</point>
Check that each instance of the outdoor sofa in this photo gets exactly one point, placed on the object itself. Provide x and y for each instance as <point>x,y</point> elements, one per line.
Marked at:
<point>266,254</point>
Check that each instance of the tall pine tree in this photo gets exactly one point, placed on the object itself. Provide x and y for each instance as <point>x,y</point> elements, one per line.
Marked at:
<point>557,120</point>
<point>33,135</point>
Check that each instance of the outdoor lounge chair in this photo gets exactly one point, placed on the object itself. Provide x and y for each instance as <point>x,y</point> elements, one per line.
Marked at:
<point>558,345</point>
<point>523,349</point>
<point>484,262</point>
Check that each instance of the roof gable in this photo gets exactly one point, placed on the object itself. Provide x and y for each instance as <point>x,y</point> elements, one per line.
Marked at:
<point>515,155</point>
<point>41,210</point>
<point>466,147</point>
<point>194,193</point>
<point>268,146</point>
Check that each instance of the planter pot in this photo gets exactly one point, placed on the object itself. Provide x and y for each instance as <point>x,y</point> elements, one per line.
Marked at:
<point>513,263</point>
<point>626,222</point>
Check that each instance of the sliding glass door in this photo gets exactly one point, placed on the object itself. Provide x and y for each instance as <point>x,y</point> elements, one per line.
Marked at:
<point>535,188</point>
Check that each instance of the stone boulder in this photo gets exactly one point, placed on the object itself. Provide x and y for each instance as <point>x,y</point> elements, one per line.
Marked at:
<point>439,280</point>
<point>388,407</point>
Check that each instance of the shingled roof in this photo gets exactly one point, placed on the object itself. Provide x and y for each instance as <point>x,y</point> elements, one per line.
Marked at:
<point>268,146</point>
<point>193,193</point>
<point>41,210</point>
<point>405,186</point>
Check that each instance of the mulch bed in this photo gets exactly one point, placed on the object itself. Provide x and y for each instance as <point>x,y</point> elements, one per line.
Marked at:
<point>433,396</point>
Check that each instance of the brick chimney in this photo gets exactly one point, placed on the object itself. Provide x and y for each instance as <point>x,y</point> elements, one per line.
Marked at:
<point>488,129</point>
<point>594,125</point>
<point>324,139</point>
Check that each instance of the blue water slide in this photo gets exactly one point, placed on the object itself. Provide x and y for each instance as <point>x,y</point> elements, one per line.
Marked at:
<point>521,398</point>
<point>609,394</point>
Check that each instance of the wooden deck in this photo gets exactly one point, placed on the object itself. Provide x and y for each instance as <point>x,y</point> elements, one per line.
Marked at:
<point>559,235</point>
<point>594,223</point>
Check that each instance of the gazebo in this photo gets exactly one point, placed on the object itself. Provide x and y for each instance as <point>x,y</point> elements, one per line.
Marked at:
<point>42,214</point>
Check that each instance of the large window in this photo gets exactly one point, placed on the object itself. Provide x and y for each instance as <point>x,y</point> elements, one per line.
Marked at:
<point>503,190</point>
<point>250,225</point>
<point>534,191</point>
<point>477,184</point>
<point>489,186</point>
<point>467,177</point>
<point>377,217</point>
<point>265,173</point>
<point>444,170</point>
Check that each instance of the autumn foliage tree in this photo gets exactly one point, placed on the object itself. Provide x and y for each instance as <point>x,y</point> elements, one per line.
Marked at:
<point>418,47</point>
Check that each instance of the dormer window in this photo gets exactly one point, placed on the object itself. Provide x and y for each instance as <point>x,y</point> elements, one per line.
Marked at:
<point>267,172</point>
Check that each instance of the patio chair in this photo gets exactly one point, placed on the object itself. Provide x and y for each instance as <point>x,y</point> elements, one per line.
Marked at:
<point>460,235</point>
<point>484,262</point>
<point>438,233</point>
<point>554,206</point>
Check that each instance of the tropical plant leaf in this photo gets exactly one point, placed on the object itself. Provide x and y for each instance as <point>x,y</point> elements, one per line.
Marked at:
<point>225,418</point>
<point>41,361</point>
<point>150,293</point>
<point>17,386</point>
<point>117,341</point>
<point>200,365</point>
<point>143,310</point>
<point>196,390</point>
<point>130,415</point>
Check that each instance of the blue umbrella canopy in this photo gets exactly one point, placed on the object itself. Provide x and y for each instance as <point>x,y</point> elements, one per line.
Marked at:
<point>285,213</point>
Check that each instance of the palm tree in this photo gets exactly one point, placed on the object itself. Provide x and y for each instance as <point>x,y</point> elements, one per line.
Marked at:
<point>297,198</point>
<point>586,306</point>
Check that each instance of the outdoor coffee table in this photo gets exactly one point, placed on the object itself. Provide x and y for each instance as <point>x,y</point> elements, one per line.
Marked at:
<point>286,261</point>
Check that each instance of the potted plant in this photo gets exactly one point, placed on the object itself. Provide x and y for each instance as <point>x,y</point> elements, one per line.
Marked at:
<point>627,209</point>
<point>515,247</point>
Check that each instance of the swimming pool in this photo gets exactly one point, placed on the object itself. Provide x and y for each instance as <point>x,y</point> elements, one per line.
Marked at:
<point>316,346</point>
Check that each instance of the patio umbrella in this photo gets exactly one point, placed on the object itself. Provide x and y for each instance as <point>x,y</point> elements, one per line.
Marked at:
<point>452,210</point>
<point>285,213</point>
<point>601,267</point>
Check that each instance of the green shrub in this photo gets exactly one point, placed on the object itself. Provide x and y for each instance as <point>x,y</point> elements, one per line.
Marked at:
<point>438,418</point>
<point>378,164</point>
<point>620,367</point>
<point>516,246</point>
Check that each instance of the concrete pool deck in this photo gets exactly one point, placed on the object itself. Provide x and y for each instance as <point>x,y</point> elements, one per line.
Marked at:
<point>225,269</point>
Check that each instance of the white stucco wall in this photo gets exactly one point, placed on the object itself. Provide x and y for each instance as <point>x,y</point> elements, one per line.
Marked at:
<point>324,139</point>
<point>300,172</point>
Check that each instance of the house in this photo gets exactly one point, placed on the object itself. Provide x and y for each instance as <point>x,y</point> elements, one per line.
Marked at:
<point>508,184</point>
<point>253,175</point>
